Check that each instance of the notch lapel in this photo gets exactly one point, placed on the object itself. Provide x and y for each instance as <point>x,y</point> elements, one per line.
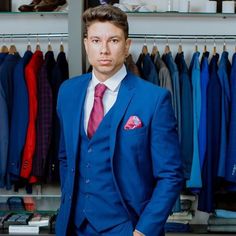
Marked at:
<point>125,94</point>
<point>80,97</point>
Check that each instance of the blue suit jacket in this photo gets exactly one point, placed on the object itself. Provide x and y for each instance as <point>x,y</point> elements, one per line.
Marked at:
<point>145,162</point>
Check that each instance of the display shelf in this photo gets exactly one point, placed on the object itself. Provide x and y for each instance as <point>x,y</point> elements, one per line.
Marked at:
<point>182,14</point>
<point>39,203</point>
<point>34,13</point>
<point>43,232</point>
<point>30,195</point>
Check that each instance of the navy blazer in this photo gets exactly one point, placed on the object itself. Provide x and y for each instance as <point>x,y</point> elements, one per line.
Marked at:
<point>19,119</point>
<point>146,165</point>
<point>60,73</point>
<point>6,98</point>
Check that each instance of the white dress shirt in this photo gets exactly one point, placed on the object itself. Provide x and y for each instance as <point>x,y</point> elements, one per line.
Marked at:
<point>109,97</point>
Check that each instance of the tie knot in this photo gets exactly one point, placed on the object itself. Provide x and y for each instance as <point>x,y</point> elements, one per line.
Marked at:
<point>100,90</point>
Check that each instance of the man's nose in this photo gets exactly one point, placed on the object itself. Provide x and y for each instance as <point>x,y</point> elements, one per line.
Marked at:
<point>104,48</point>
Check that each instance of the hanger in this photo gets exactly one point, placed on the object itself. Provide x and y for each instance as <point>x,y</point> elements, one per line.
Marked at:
<point>12,49</point>
<point>214,48</point>
<point>28,45</point>
<point>154,49</point>
<point>235,46</point>
<point>180,49</point>
<point>167,47</point>
<point>49,45</point>
<point>61,46</point>
<point>145,49</point>
<point>4,48</point>
<point>224,46</point>
<point>38,48</point>
<point>196,46</point>
<point>205,47</point>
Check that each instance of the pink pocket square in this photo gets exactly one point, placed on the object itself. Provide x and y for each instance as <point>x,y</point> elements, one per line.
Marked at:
<point>133,123</point>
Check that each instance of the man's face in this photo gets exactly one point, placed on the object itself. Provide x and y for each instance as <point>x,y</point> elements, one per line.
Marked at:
<point>106,48</point>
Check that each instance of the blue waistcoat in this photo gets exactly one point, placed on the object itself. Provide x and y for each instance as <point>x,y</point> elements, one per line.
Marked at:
<point>97,199</point>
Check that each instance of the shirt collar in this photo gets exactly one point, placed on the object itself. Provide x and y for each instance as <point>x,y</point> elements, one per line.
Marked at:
<point>114,81</point>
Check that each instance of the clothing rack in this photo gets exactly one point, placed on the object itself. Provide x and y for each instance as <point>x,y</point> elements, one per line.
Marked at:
<point>34,35</point>
<point>185,36</point>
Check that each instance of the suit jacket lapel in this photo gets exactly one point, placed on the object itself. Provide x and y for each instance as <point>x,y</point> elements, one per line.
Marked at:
<point>77,115</point>
<point>125,94</point>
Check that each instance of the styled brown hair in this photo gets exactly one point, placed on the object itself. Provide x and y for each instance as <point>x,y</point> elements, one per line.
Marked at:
<point>105,13</point>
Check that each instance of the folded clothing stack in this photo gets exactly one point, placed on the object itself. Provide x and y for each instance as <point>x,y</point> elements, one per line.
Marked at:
<point>17,219</point>
<point>222,221</point>
<point>180,221</point>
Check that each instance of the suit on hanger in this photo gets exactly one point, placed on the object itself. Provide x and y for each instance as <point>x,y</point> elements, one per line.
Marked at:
<point>31,77</point>
<point>60,73</point>
<point>6,98</point>
<point>163,75</point>
<point>206,201</point>
<point>186,142</point>
<point>19,120</point>
<point>231,152</point>
<point>143,201</point>
<point>223,73</point>
<point>44,117</point>
<point>174,73</point>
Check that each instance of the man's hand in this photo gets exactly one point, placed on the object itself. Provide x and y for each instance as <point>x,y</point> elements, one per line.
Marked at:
<point>136,233</point>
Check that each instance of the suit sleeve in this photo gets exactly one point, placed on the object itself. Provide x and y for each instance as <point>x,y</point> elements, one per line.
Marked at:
<point>167,169</point>
<point>62,150</point>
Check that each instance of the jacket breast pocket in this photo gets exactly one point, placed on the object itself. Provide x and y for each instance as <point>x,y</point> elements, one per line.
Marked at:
<point>133,139</point>
<point>137,131</point>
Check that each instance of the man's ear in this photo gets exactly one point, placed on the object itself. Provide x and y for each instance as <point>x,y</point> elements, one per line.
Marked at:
<point>85,43</point>
<point>127,46</point>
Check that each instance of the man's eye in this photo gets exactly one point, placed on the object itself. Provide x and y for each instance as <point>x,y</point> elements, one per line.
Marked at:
<point>114,40</point>
<point>95,41</point>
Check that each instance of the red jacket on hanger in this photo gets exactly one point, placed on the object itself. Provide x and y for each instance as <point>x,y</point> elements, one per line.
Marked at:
<point>31,77</point>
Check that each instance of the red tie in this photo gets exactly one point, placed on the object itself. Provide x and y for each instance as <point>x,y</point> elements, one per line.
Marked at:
<point>97,112</point>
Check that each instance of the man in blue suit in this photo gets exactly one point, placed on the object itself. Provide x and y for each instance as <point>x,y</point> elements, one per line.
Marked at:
<point>119,154</point>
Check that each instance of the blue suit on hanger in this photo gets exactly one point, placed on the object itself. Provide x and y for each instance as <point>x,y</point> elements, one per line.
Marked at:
<point>186,143</point>
<point>231,152</point>
<point>202,132</point>
<point>195,180</point>
<point>19,120</point>
<point>145,162</point>
<point>6,98</point>
<point>223,73</point>
<point>210,165</point>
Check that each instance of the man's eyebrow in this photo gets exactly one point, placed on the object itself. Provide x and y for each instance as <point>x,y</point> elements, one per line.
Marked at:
<point>112,36</point>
